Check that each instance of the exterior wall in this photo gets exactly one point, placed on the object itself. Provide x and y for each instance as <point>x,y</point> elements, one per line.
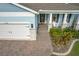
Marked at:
<point>8,7</point>
<point>77,26</point>
<point>46,18</point>
<point>12,13</point>
<point>18,19</point>
<point>51,23</point>
<point>74,24</point>
<point>71,20</point>
<point>60,19</point>
<point>36,21</point>
<point>47,21</point>
<point>22,19</point>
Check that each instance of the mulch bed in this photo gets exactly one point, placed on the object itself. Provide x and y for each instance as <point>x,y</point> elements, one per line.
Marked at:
<point>62,49</point>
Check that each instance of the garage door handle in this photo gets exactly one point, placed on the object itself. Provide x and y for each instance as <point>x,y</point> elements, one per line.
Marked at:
<point>27,26</point>
<point>10,32</point>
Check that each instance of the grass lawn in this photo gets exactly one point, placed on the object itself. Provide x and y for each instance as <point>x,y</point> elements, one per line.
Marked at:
<point>75,50</point>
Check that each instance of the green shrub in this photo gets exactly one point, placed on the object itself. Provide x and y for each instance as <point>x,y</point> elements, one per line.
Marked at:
<point>67,36</point>
<point>59,36</point>
<point>67,29</point>
<point>55,32</point>
<point>75,33</point>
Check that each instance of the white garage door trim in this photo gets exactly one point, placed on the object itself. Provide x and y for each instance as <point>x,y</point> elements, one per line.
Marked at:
<point>14,30</point>
<point>13,14</point>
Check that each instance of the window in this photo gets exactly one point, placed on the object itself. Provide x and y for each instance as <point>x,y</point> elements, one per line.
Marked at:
<point>68,18</point>
<point>57,17</point>
<point>63,18</point>
<point>31,25</point>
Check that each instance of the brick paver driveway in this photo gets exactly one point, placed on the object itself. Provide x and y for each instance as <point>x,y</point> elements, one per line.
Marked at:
<point>42,46</point>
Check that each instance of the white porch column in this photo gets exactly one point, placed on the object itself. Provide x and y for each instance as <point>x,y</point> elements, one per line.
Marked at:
<point>64,21</point>
<point>50,22</point>
<point>77,26</point>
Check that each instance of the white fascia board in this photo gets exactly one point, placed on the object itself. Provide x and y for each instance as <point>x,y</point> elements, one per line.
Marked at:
<point>59,11</point>
<point>26,8</point>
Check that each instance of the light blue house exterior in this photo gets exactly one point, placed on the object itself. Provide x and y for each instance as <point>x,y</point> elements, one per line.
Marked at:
<point>18,13</point>
<point>12,9</point>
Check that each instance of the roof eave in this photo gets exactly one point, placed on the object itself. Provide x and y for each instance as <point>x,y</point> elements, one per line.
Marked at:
<point>26,8</point>
<point>59,11</point>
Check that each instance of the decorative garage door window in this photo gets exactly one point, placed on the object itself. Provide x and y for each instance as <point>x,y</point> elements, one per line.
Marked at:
<point>15,30</point>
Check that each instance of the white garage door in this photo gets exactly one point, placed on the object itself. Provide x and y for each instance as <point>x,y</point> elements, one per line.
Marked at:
<point>15,31</point>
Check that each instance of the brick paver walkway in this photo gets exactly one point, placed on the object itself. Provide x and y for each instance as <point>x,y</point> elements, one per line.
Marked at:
<point>41,47</point>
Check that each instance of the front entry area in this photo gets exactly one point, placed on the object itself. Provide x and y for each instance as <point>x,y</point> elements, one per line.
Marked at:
<point>42,18</point>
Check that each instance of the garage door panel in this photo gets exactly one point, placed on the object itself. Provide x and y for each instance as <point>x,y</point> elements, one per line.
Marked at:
<point>14,31</point>
<point>5,34</point>
<point>20,33</point>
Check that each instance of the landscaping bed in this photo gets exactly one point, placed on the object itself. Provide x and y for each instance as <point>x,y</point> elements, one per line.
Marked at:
<point>62,38</point>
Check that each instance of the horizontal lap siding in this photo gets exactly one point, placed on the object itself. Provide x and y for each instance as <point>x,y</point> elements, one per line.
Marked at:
<point>8,7</point>
<point>30,19</point>
<point>11,13</point>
